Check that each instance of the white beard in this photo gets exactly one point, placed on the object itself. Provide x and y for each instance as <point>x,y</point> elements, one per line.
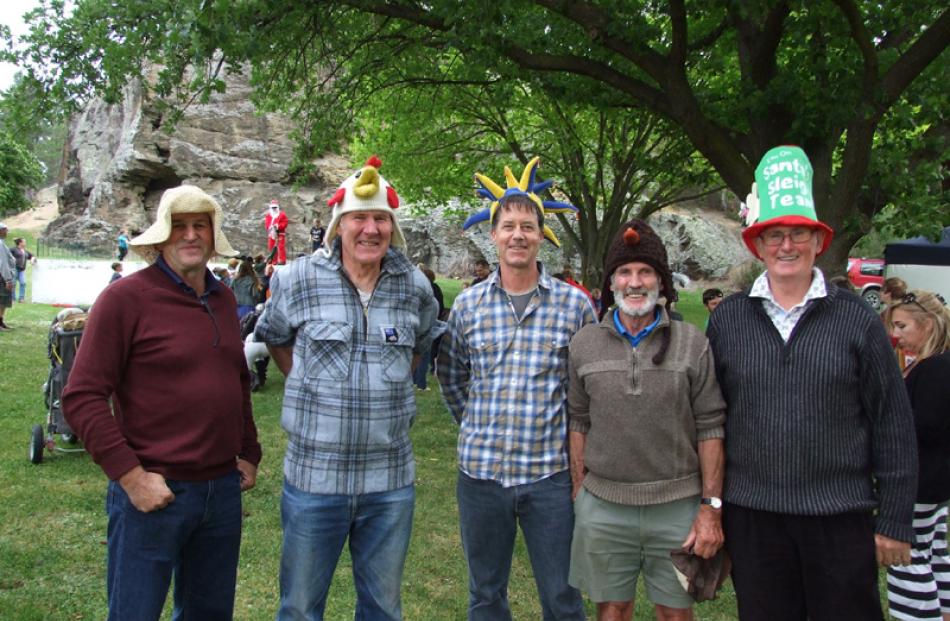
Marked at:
<point>652,296</point>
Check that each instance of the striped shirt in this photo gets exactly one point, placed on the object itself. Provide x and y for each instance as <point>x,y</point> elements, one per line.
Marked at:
<point>786,320</point>
<point>505,379</point>
<point>349,400</point>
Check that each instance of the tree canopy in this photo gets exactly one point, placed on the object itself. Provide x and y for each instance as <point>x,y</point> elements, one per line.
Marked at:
<point>19,172</point>
<point>24,115</point>
<point>612,164</point>
<point>860,85</point>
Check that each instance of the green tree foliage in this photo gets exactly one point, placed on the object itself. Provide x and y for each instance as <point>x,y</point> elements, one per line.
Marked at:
<point>612,164</point>
<point>835,76</point>
<point>25,114</point>
<point>19,172</point>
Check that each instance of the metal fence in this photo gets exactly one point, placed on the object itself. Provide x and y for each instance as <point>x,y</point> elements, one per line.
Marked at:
<point>47,250</point>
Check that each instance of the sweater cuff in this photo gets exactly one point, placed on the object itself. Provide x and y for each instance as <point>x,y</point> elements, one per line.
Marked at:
<point>580,426</point>
<point>251,454</point>
<point>118,463</point>
<point>711,434</point>
<point>894,530</point>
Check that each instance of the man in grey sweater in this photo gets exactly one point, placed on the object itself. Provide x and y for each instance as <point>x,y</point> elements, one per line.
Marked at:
<point>822,451</point>
<point>646,438</point>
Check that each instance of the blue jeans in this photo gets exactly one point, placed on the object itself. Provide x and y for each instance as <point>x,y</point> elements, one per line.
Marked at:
<point>419,374</point>
<point>489,515</point>
<point>21,278</point>
<point>196,538</point>
<point>316,526</point>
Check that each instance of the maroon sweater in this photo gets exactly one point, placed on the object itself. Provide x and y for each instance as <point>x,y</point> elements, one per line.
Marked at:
<point>174,367</point>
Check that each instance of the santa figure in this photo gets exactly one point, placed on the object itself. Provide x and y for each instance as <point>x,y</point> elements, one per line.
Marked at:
<point>275,222</point>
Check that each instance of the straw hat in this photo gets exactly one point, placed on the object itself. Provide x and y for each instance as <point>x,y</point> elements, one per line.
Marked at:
<point>183,199</point>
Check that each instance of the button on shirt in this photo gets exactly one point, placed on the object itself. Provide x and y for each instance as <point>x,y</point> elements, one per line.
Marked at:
<point>505,380</point>
<point>348,400</point>
<point>786,320</point>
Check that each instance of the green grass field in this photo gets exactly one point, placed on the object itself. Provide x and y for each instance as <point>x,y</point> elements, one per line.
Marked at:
<point>52,520</point>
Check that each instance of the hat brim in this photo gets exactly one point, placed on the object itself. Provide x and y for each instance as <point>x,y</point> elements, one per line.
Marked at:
<point>749,234</point>
<point>181,200</point>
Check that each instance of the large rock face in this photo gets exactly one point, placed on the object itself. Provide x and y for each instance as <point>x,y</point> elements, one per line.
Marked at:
<point>119,159</point>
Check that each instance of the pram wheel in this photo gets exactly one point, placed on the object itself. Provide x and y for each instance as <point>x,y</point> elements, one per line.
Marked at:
<point>36,444</point>
<point>69,438</point>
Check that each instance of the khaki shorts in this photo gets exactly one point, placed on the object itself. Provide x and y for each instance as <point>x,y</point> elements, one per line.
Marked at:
<point>613,543</point>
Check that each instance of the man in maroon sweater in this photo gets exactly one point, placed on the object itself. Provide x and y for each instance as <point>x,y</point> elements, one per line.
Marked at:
<point>164,345</point>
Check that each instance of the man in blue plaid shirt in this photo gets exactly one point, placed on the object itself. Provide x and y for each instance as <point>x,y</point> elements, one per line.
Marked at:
<point>503,369</point>
<point>343,325</point>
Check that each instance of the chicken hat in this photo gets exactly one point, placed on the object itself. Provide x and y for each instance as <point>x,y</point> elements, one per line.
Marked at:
<point>364,190</point>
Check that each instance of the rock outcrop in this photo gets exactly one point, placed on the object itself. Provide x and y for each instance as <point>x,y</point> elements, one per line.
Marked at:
<point>118,159</point>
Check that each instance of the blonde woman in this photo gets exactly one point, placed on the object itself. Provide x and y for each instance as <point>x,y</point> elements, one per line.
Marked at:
<point>921,324</point>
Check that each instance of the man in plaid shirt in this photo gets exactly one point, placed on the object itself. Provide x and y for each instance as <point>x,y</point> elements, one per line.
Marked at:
<point>344,325</point>
<point>503,369</point>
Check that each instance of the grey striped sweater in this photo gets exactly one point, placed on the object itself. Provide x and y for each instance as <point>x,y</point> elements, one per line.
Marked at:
<point>822,424</point>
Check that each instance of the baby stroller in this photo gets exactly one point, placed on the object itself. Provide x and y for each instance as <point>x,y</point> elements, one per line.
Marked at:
<point>64,335</point>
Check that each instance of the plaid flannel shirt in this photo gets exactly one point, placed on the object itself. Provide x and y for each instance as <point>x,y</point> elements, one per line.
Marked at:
<point>349,399</point>
<point>505,380</point>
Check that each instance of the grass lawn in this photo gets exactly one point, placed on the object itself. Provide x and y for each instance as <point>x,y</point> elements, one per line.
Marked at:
<point>52,520</point>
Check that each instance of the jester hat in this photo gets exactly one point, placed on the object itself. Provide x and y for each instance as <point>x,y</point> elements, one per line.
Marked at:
<point>526,186</point>
<point>364,190</point>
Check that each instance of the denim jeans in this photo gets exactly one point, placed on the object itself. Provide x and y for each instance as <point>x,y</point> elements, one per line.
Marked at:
<point>316,526</point>
<point>422,369</point>
<point>196,538</point>
<point>21,278</point>
<point>489,515</point>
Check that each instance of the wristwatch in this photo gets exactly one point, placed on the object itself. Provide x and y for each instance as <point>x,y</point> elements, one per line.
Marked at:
<point>713,501</point>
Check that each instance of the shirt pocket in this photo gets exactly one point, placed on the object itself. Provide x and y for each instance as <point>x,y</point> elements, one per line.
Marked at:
<point>552,355</point>
<point>397,355</point>
<point>485,357</point>
<point>328,349</point>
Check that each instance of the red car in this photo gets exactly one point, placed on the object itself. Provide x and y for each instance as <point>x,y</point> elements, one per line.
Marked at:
<point>867,277</point>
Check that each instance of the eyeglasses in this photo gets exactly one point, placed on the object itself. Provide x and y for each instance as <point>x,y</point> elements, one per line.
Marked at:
<point>776,238</point>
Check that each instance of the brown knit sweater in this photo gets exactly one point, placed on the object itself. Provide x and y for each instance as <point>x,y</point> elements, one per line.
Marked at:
<point>643,421</point>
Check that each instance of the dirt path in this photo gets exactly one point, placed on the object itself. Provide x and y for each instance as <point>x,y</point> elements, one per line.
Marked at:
<point>44,211</point>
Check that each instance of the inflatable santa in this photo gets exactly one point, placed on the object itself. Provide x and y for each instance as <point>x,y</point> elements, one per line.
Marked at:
<point>275,222</point>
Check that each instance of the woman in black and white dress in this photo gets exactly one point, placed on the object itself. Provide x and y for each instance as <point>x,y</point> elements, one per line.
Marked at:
<point>920,321</point>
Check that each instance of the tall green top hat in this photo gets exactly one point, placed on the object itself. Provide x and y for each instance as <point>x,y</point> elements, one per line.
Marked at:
<point>782,196</point>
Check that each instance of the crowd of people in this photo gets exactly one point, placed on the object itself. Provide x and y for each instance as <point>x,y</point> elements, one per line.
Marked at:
<point>786,444</point>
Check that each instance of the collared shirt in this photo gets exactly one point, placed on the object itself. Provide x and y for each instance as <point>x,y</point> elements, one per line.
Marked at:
<point>634,339</point>
<point>349,399</point>
<point>504,379</point>
<point>211,283</point>
<point>786,320</point>
<point>211,286</point>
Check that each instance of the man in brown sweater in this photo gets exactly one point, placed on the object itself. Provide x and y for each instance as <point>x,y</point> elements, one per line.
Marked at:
<point>646,437</point>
